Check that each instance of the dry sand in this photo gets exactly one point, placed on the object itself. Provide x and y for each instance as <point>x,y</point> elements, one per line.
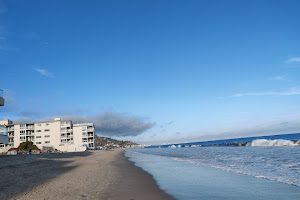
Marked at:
<point>84,175</point>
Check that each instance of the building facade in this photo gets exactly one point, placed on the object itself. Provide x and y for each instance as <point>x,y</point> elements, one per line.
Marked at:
<point>59,134</point>
<point>4,140</point>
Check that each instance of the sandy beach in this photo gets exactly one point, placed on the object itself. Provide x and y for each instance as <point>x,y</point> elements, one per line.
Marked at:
<point>84,175</point>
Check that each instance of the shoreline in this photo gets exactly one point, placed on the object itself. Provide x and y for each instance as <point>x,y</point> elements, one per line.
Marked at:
<point>81,175</point>
<point>188,180</point>
<point>137,183</point>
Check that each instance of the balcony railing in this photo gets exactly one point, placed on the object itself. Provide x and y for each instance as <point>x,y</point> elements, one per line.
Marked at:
<point>87,135</point>
<point>65,123</point>
<point>66,130</point>
<point>84,124</point>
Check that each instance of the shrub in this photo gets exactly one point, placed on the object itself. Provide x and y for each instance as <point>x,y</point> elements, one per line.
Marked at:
<point>27,146</point>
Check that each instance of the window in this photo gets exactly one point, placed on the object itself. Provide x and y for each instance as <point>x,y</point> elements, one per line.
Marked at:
<point>39,136</point>
<point>38,130</point>
<point>46,136</point>
<point>47,130</point>
<point>22,126</point>
<point>47,142</point>
<point>39,124</point>
<point>22,138</point>
<point>22,132</point>
<point>38,143</point>
<point>47,124</point>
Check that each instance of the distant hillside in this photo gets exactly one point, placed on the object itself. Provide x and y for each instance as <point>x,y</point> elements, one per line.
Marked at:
<point>109,142</point>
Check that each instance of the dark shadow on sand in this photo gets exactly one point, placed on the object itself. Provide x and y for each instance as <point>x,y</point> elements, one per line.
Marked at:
<point>22,173</point>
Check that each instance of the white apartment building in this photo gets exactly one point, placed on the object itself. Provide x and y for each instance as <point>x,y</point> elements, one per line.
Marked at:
<point>58,134</point>
<point>3,130</point>
<point>4,146</point>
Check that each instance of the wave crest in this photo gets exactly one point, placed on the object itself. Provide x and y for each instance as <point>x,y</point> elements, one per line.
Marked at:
<point>272,143</point>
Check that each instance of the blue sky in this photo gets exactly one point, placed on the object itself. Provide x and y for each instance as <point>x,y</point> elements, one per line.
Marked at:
<point>154,71</point>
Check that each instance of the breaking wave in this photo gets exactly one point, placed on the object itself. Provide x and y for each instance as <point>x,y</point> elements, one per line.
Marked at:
<point>272,143</point>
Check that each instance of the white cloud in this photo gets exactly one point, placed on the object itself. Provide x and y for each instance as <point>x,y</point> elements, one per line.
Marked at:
<point>45,72</point>
<point>278,78</point>
<point>293,91</point>
<point>292,66</point>
<point>293,60</point>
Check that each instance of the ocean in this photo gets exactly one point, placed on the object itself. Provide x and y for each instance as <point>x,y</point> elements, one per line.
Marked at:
<point>264,169</point>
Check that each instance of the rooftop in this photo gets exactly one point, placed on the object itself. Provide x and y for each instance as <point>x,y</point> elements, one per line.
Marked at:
<point>84,124</point>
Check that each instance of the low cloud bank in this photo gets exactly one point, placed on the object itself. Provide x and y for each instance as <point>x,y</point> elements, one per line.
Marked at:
<point>107,124</point>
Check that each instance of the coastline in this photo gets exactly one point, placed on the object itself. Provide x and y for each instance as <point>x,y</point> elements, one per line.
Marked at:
<point>136,183</point>
<point>82,175</point>
<point>187,180</point>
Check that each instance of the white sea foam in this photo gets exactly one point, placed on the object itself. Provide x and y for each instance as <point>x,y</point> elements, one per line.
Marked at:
<point>280,164</point>
<point>272,143</point>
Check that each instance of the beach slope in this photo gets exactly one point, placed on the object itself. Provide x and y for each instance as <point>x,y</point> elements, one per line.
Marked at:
<point>85,175</point>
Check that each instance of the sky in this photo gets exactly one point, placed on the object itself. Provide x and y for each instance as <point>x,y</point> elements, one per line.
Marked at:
<point>154,71</point>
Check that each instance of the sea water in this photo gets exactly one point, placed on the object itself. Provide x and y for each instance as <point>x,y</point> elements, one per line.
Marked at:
<point>262,172</point>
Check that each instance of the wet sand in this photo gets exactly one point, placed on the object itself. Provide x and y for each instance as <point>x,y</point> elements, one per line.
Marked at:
<point>84,175</point>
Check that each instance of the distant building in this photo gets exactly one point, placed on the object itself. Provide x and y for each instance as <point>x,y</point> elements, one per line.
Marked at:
<point>59,134</point>
<point>4,140</point>
<point>5,122</point>
<point>3,129</point>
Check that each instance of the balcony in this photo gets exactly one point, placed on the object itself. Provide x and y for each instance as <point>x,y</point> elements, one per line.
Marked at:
<point>29,139</point>
<point>64,130</point>
<point>29,132</point>
<point>70,137</point>
<point>88,135</point>
<point>30,127</point>
<point>91,145</point>
<point>83,124</point>
<point>65,124</point>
